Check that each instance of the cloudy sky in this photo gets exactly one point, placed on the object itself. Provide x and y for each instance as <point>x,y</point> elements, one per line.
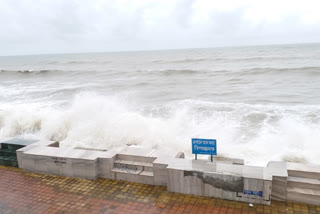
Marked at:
<point>67,26</point>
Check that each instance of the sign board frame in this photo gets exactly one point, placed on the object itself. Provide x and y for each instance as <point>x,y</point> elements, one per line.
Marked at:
<point>204,147</point>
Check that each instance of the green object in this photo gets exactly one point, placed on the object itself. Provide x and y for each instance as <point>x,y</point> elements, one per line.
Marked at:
<point>8,155</point>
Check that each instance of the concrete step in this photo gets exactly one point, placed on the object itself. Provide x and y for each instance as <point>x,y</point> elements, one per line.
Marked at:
<point>303,170</point>
<point>147,173</point>
<point>144,177</point>
<point>305,183</point>
<point>135,158</point>
<point>133,172</point>
<point>301,195</point>
<point>134,163</point>
<point>235,161</point>
<point>126,170</point>
<point>304,174</point>
<point>132,167</point>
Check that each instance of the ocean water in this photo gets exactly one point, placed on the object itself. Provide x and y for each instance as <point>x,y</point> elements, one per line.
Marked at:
<point>260,103</point>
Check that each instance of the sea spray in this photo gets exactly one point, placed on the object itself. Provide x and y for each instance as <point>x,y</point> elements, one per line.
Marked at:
<point>256,133</point>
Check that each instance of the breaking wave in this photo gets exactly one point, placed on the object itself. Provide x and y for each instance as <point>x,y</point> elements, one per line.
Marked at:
<point>256,133</point>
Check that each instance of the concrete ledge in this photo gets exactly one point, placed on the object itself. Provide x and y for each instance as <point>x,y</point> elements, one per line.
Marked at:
<point>220,180</point>
<point>235,161</point>
<point>225,178</point>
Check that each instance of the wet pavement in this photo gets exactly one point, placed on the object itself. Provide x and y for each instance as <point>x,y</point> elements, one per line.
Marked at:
<point>29,193</point>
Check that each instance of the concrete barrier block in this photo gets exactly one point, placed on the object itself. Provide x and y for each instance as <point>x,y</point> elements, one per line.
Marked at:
<point>160,173</point>
<point>192,183</point>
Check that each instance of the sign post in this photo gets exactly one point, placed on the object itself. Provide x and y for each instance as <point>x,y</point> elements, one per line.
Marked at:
<point>204,147</point>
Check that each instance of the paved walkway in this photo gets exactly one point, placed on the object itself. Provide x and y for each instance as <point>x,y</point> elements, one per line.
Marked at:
<point>27,193</point>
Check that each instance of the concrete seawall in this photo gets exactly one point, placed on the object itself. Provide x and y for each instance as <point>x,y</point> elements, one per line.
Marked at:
<point>223,178</point>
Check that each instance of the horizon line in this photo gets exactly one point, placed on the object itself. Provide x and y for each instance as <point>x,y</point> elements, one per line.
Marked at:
<point>155,50</point>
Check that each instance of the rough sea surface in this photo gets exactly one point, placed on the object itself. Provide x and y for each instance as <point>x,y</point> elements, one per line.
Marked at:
<point>260,103</point>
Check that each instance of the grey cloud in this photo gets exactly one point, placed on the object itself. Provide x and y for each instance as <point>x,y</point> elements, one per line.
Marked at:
<point>53,26</point>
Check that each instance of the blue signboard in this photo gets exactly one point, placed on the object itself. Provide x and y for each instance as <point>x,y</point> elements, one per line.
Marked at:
<point>250,192</point>
<point>204,146</point>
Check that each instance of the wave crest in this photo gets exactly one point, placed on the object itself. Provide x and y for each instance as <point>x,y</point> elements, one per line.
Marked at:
<point>256,133</point>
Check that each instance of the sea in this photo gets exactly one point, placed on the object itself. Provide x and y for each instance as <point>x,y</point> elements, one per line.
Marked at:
<point>261,103</point>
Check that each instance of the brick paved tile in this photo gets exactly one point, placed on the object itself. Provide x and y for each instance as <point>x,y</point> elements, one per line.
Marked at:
<point>30,193</point>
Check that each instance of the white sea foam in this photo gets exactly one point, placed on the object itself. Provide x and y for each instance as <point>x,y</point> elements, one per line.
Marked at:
<point>257,133</point>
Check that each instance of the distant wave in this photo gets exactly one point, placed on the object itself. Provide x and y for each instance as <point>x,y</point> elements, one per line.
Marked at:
<point>262,58</point>
<point>87,62</point>
<point>170,72</point>
<point>30,71</point>
<point>262,71</point>
<point>180,61</point>
<point>179,72</point>
<point>249,71</point>
<point>78,62</point>
<point>229,59</point>
<point>189,60</point>
<point>53,62</point>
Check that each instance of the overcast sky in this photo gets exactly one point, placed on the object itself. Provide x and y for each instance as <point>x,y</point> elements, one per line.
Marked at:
<point>66,26</point>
